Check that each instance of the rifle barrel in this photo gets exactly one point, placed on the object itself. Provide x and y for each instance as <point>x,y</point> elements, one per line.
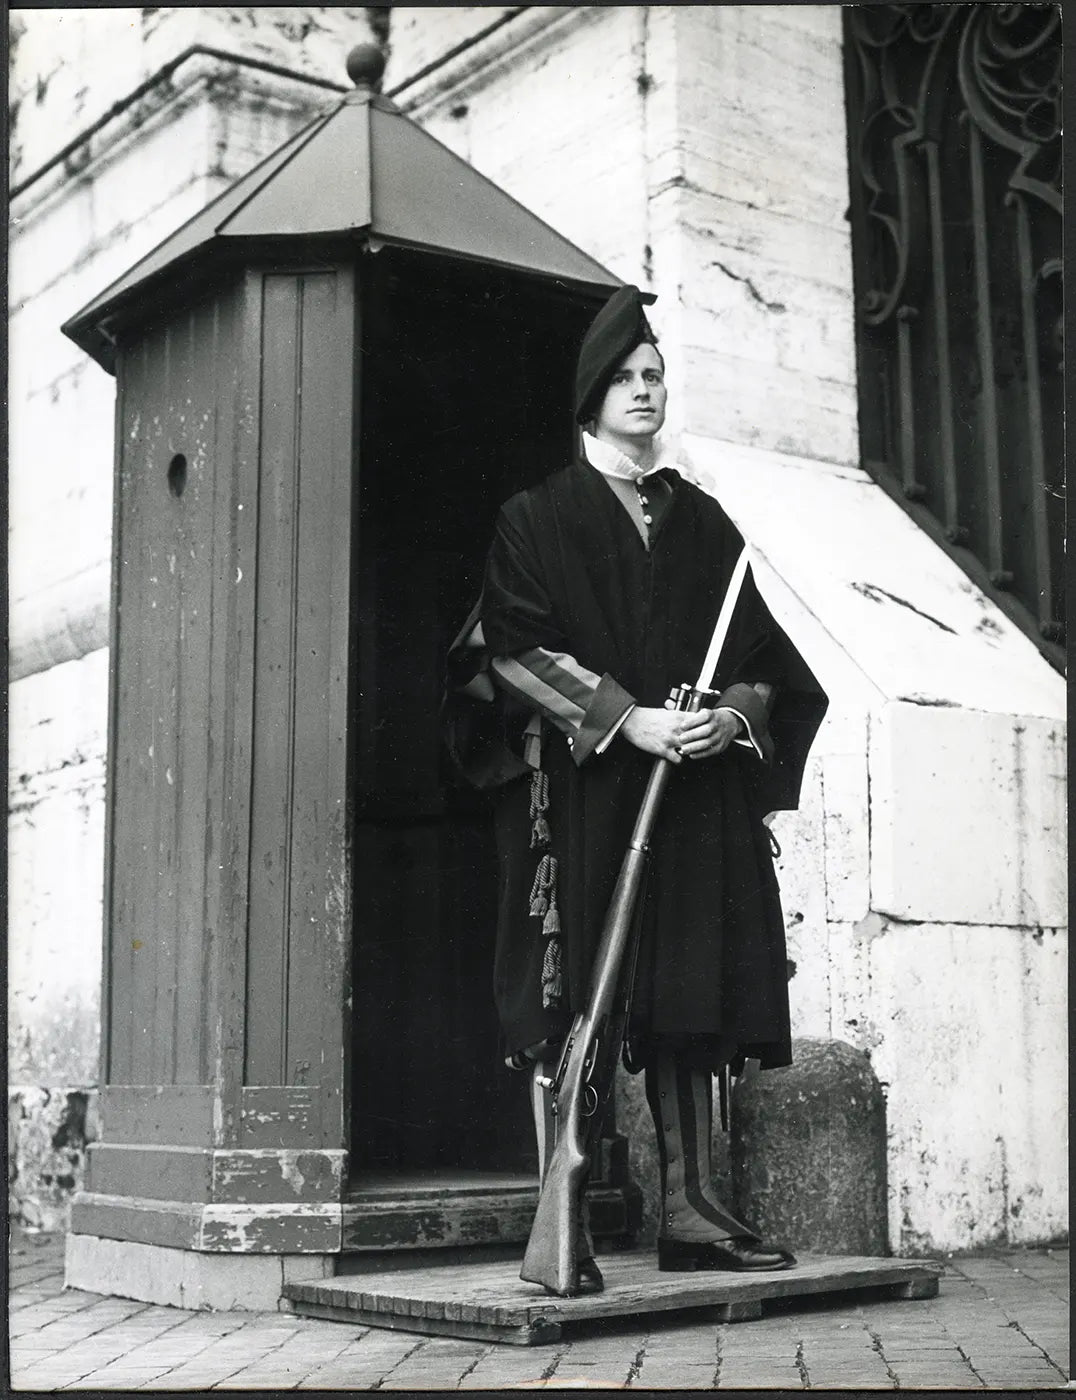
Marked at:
<point>618,919</point>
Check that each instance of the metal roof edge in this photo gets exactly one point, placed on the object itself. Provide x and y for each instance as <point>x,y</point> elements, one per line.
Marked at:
<point>596,285</point>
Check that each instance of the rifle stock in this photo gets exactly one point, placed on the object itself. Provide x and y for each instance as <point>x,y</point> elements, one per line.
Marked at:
<point>551,1249</point>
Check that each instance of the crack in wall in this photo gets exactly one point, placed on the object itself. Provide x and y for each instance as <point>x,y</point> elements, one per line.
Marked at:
<point>752,290</point>
<point>876,594</point>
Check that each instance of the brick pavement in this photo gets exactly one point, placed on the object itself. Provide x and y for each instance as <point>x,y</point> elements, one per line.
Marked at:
<point>1000,1322</point>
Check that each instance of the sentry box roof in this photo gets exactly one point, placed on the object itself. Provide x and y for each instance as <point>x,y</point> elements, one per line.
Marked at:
<point>363,170</point>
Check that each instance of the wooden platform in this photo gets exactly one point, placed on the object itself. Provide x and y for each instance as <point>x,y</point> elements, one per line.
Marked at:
<point>492,1303</point>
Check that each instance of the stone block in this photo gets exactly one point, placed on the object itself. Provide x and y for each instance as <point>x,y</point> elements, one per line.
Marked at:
<point>771,315</point>
<point>181,1278</point>
<point>302,1268</point>
<point>798,248</point>
<point>759,403</point>
<point>967,1032</point>
<point>846,813</point>
<point>801,874</point>
<point>763,107</point>
<point>968,816</point>
<point>852,1011</point>
<point>808,1147</point>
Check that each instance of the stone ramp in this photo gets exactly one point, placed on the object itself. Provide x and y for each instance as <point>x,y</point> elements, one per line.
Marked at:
<point>489,1302</point>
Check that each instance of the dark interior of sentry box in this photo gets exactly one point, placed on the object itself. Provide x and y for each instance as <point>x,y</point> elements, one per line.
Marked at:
<point>465,396</point>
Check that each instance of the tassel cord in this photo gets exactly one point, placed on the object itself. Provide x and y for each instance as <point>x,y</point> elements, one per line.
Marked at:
<point>543,896</point>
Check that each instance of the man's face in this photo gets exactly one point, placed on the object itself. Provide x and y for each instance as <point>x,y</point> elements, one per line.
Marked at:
<point>634,403</point>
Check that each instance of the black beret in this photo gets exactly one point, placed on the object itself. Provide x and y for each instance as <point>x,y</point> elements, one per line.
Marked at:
<point>614,333</point>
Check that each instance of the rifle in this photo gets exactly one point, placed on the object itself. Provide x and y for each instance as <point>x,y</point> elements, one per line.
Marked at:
<point>587,1064</point>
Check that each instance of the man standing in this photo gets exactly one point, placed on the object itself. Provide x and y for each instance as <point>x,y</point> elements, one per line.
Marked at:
<point>602,586</point>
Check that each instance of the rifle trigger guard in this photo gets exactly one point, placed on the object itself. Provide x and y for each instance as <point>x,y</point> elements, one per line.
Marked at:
<point>590,1101</point>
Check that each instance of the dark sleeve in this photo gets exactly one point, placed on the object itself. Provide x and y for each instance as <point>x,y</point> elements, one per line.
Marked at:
<point>586,707</point>
<point>517,611</point>
<point>533,655</point>
<point>755,643</point>
<point>745,701</point>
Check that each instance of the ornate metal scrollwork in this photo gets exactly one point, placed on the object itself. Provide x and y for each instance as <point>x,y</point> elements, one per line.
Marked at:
<point>1010,79</point>
<point>899,104</point>
<point>955,155</point>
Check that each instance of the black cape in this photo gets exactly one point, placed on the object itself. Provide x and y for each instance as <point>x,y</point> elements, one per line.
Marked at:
<point>568,571</point>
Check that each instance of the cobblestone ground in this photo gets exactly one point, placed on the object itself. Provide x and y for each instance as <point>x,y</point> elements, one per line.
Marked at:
<point>1000,1322</point>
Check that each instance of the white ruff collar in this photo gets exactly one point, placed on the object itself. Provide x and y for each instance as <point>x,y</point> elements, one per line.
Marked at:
<point>610,461</point>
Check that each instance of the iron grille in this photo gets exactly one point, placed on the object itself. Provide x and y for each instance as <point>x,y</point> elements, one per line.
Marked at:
<point>954,120</point>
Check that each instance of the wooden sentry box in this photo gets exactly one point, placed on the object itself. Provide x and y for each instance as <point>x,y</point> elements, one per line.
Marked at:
<point>327,382</point>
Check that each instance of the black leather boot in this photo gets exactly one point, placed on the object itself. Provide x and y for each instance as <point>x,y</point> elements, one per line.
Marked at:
<point>697,1231</point>
<point>589,1275</point>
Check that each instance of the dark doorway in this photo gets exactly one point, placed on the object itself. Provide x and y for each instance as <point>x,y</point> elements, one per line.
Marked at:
<point>465,396</point>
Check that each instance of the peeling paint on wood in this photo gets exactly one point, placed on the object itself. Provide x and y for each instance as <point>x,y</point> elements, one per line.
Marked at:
<point>454,1219</point>
<point>281,1175</point>
<point>271,1229</point>
<point>179,1114</point>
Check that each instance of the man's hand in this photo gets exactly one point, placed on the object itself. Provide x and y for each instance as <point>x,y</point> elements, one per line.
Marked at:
<point>656,731</point>
<point>706,733</point>
<point>676,734</point>
<point>709,732</point>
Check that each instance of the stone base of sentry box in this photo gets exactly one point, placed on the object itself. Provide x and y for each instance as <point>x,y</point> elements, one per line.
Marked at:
<point>186,1278</point>
<point>490,1302</point>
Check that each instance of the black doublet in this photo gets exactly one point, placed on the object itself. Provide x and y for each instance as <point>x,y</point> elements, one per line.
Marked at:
<point>568,571</point>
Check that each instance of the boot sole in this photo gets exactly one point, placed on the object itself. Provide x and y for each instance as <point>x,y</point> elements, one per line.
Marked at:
<point>693,1266</point>
<point>676,1258</point>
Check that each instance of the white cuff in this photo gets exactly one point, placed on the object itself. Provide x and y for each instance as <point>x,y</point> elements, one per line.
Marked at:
<point>750,742</point>
<point>611,733</point>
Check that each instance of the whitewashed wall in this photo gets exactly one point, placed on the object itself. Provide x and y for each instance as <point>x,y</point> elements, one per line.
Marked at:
<point>701,150</point>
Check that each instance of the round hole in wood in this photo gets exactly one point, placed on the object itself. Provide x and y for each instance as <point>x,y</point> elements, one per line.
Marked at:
<point>177,474</point>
